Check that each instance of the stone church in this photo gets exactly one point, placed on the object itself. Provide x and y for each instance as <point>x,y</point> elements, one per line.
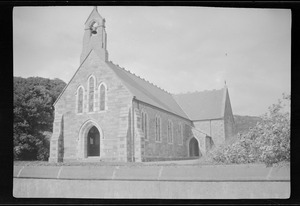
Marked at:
<point>106,113</point>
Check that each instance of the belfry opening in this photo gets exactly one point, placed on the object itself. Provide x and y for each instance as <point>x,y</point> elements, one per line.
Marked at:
<point>93,142</point>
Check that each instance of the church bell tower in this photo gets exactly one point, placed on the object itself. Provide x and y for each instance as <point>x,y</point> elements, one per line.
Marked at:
<point>94,36</point>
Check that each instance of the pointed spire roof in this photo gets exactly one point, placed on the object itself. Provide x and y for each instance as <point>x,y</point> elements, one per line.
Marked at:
<point>94,15</point>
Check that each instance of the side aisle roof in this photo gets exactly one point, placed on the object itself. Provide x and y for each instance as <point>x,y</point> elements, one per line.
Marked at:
<point>203,105</point>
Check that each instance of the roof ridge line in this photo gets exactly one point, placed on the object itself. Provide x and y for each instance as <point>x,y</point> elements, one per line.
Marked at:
<point>141,78</point>
<point>189,92</point>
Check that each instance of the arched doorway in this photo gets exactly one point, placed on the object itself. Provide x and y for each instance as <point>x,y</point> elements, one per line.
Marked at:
<point>194,148</point>
<point>93,142</point>
<point>83,142</point>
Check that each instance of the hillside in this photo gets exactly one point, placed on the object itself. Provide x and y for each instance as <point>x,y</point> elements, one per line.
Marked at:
<point>243,123</point>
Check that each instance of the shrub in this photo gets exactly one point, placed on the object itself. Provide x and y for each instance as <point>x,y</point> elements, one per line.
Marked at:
<point>268,142</point>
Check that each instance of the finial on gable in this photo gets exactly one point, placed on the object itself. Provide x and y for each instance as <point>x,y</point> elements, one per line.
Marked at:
<point>225,86</point>
<point>94,15</point>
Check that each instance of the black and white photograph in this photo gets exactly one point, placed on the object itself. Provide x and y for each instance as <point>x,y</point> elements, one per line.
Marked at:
<point>151,102</point>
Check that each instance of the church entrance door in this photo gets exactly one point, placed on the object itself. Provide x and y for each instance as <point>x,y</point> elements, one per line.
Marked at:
<point>93,142</point>
<point>194,147</point>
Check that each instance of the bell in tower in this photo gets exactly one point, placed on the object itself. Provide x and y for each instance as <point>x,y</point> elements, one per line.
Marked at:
<point>94,36</point>
<point>94,27</point>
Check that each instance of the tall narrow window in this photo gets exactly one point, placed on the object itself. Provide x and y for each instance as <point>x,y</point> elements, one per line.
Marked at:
<point>143,122</point>
<point>80,100</point>
<point>159,124</point>
<point>102,97</point>
<point>146,125</point>
<point>180,134</point>
<point>157,129</point>
<point>91,94</point>
<point>170,132</point>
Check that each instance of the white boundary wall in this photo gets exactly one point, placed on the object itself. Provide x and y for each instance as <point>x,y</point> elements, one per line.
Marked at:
<point>167,182</point>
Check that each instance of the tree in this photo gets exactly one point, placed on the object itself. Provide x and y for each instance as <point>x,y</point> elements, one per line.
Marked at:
<point>267,142</point>
<point>33,116</point>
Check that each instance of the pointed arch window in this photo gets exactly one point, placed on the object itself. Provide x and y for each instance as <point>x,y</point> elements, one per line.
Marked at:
<point>91,93</point>
<point>142,121</point>
<point>102,97</point>
<point>79,105</point>
<point>145,124</point>
<point>170,131</point>
<point>157,129</point>
<point>180,134</point>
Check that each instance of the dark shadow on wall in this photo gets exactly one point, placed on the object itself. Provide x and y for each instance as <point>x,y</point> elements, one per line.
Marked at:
<point>209,144</point>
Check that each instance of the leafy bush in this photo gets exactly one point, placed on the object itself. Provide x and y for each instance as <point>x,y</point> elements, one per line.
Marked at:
<point>33,116</point>
<point>267,142</point>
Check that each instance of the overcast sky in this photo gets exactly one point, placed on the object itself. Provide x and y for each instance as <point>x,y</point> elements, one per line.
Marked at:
<point>180,49</point>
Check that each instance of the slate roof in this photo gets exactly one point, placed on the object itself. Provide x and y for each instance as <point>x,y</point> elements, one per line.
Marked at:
<point>203,105</point>
<point>193,106</point>
<point>147,92</point>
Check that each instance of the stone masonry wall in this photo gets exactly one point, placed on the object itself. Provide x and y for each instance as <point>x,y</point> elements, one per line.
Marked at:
<point>213,128</point>
<point>129,138</point>
<point>113,121</point>
<point>217,132</point>
<point>138,140</point>
<point>149,148</point>
<point>56,142</point>
<point>204,126</point>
